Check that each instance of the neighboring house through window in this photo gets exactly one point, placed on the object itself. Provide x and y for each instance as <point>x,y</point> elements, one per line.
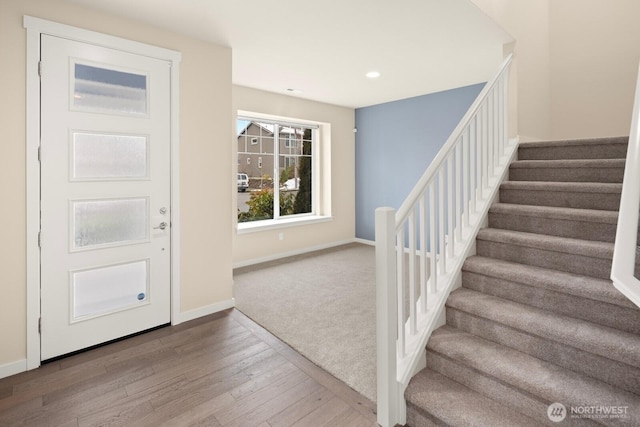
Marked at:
<point>283,178</point>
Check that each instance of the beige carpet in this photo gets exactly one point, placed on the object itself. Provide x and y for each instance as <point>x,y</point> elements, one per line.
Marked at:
<point>322,305</point>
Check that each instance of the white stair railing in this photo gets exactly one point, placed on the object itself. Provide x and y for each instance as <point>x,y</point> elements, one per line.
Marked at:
<point>624,252</point>
<point>421,247</point>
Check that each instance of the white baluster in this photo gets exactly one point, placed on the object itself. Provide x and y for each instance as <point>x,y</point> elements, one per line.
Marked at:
<point>412,274</point>
<point>433,243</point>
<point>423,252</point>
<point>400,289</point>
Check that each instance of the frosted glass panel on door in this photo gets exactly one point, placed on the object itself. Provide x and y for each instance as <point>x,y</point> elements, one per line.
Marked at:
<point>108,289</point>
<point>105,156</point>
<point>104,90</point>
<point>109,222</point>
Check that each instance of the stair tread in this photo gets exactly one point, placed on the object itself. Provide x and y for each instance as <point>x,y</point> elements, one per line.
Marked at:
<point>455,404</point>
<point>590,248</point>
<point>554,212</point>
<point>578,187</point>
<point>576,142</point>
<point>597,339</point>
<point>547,381</point>
<point>555,280</point>
<point>569,163</point>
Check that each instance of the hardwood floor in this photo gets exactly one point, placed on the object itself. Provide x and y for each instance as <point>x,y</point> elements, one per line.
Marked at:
<point>219,370</point>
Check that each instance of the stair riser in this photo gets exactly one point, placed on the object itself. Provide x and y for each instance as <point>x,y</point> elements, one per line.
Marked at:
<point>595,366</point>
<point>567,174</point>
<point>613,316</point>
<point>600,151</point>
<point>565,199</point>
<point>416,419</point>
<point>520,400</point>
<point>433,399</point>
<point>578,264</point>
<point>596,231</point>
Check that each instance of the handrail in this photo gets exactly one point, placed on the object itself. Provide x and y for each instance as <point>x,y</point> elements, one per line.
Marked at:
<point>421,247</point>
<point>437,162</point>
<point>624,252</point>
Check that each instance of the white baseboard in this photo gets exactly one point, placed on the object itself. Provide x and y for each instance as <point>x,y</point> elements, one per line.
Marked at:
<point>207,310</point>
<point>525,138</point>
<point>291,253</point>
<point>13,368</point>
<point>365,241</point>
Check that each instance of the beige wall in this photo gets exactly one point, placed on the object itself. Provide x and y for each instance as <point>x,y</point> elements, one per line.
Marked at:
<point>341,154</point>
<point>528,22</point>
<point>595,49</point>
<point>577,64</point>
<point>205,170</point>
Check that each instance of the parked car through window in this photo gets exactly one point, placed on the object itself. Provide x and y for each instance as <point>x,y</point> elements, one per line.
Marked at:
<point>243,182</point>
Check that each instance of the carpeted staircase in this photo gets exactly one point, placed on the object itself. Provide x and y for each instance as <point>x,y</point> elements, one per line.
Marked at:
<point>537,320</point>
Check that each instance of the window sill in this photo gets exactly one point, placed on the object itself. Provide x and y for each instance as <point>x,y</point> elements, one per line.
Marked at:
<point>256,226</point>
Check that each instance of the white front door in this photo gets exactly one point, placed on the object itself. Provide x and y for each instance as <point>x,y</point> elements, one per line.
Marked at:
<point>105,194</point>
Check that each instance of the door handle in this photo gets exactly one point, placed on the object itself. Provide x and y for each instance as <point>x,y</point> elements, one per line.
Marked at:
<point>161,226</point>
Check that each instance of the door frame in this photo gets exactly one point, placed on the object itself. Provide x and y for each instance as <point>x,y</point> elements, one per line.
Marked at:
<point>35,28</point>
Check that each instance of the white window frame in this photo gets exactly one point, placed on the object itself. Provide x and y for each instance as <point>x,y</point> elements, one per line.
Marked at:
<point>320,184</point>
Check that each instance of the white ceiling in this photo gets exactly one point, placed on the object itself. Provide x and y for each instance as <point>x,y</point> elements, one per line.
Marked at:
<point>324,48</point>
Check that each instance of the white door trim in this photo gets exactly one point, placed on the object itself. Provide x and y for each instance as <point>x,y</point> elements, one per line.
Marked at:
<point>35,27</point>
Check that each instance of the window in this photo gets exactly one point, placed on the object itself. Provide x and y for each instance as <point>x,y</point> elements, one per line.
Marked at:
<point>283,181</point>
<point>290,138</point>
<point>98,89</point>
<point>289,161</point>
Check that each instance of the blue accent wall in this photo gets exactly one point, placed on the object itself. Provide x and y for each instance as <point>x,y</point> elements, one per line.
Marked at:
<point>396,142</point>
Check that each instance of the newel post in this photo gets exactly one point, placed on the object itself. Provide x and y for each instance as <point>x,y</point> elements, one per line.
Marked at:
<point>388,390</point>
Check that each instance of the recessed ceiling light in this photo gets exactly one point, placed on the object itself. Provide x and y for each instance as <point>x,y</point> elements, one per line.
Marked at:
<point>291,90</point>
<point>373,74</point>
